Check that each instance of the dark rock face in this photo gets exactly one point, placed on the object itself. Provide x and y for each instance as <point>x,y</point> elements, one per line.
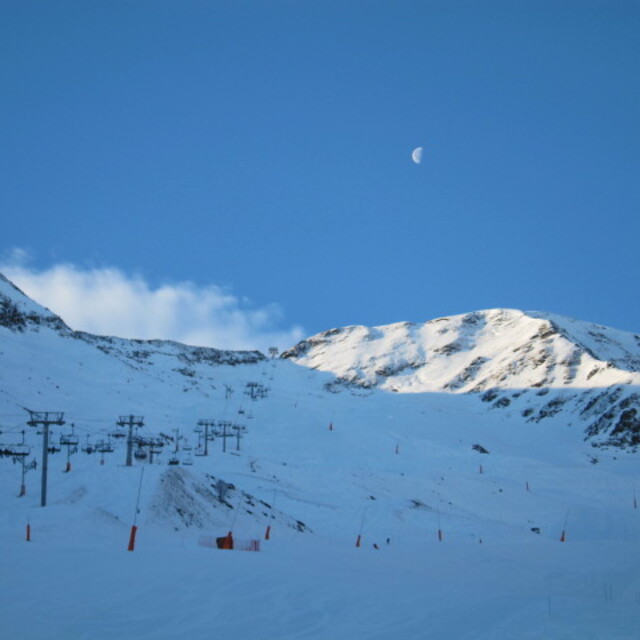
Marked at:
<point>615,415</point>
<point>15,318</point>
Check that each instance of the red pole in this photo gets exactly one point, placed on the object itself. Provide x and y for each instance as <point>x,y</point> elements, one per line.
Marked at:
<point>267,535</point>
<point>28,532</point>
<point>132,538</point>
<point>563,537</point>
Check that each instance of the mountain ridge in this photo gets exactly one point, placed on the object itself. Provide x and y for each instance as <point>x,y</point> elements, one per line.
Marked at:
<point>475,351</point>
<point>533,363</point>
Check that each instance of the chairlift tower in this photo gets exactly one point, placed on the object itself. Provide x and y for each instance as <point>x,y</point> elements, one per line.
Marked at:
<point>206,424</point>
<point>239,429</point>
<point>45,419</point>
<point>175,459</point>
<point>130,422</point>
<point>155,448</point>
<point>225,424</point>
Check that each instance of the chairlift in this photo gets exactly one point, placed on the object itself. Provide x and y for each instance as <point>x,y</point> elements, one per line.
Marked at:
<point>118,433</point>
<point>19,450</point>
<point>104,447</point>
<point>187,461</point>
<point>88,448</point>
<point>174,461</point>
<point>69,439</point>
<point>139,454</point>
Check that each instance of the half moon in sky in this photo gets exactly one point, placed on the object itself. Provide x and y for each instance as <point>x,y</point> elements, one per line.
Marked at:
<point>416,155</point>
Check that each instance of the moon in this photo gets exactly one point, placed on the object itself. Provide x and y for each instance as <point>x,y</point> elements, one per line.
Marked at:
<point>416,155</point>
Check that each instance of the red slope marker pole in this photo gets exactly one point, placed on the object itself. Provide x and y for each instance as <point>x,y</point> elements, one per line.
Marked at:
<point>134,528</point>
<point>132,538</point>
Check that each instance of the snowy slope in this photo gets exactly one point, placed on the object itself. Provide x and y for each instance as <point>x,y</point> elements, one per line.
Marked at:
<point>474,538</point>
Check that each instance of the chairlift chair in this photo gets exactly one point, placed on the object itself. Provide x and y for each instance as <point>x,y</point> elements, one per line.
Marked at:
<point>104,447</point>
<point>19,450</point>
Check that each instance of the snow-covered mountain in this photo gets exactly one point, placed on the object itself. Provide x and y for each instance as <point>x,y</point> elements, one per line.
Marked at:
<point>498,348</point>
<point>533,364</point>
<point>458,453</point>
<point>536,363</point>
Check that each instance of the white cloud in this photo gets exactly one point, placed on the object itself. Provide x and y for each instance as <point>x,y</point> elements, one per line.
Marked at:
<point>108,301</point>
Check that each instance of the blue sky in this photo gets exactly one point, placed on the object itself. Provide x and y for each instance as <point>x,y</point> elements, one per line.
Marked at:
<point>260,151</point>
